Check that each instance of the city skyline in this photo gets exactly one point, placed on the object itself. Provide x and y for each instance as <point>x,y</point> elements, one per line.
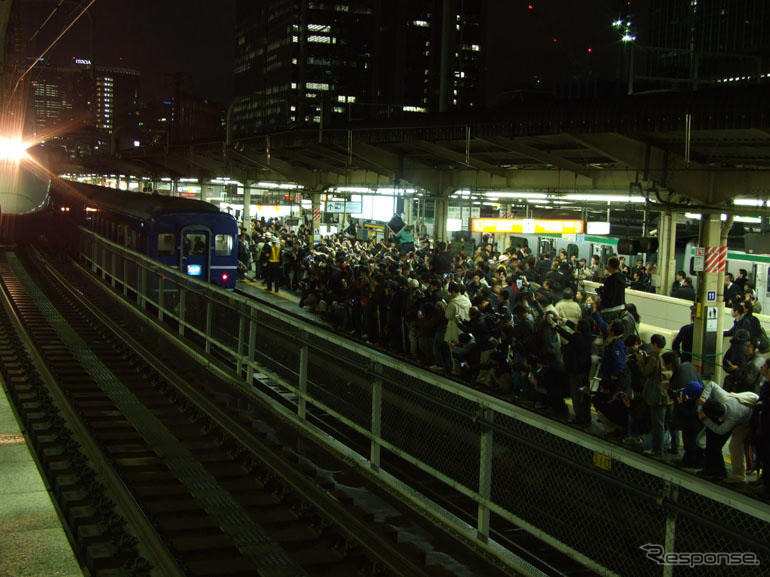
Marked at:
<point>531,45</point>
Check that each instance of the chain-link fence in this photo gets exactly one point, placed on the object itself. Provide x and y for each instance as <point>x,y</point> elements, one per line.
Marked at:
<point>487,464</point>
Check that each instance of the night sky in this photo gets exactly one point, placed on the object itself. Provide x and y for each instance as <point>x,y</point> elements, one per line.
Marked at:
<point>531,44</point>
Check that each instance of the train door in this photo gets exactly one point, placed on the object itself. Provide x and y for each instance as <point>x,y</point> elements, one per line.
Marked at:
<point>195,253</point>
<point>545,246</point>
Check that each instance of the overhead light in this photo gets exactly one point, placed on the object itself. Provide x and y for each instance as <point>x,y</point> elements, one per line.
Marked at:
<point>504,194</point>
<point>605,198</point>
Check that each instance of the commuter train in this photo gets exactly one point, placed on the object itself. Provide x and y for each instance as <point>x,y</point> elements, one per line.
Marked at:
<point>189,235</point>
<point>757,266</point>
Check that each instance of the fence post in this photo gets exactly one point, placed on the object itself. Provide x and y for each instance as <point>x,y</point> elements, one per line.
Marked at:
<point>142,288</point>
<point>252,344</point>
<point>485,417</point>
<point>209,324</point>
<point>671,492</point>
<point>376,429</point>
<point>125,276</point>
<point>241,337</point>
<point>161,296</point>
<point>182,310</point>
<point>304,353</point>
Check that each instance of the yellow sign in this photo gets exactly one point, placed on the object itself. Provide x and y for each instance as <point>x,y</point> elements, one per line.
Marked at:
<point>602,461</point>
<point>526,226</point>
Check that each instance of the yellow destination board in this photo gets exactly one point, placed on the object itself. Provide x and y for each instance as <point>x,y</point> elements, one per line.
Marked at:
<point>527,226</point>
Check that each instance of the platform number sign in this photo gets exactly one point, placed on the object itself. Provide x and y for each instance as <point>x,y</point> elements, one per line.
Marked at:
<point>711,296</point>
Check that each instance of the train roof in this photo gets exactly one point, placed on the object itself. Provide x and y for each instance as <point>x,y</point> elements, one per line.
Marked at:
<point>138,204</point>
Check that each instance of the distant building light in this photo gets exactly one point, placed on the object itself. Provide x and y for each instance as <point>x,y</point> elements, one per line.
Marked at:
<point>420,23</point>
<point>475,48</point>
<point>317,86</point>
<point>137,144</point>
<point>319,39</point>
<point>83,61</point>
<point>414,109</point>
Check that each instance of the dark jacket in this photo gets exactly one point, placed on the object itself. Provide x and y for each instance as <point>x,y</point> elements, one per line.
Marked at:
<point>614,290</point>
<point>683,342</point>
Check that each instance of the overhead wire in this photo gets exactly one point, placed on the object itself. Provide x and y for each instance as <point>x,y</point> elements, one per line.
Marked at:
<point>48,49</point>
<point>48,18</point>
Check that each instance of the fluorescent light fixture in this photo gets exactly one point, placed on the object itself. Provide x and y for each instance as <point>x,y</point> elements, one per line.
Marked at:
<point>505,194</point>
<point>454,224</point>
<point>597,227</point>
<point>748,202</point>
<point>723,217</point>
<point>605,198</point>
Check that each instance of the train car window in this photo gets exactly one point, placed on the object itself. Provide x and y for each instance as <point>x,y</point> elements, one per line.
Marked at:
<point>195,244</point>
<point>223,245</point>
<point>166,245</point>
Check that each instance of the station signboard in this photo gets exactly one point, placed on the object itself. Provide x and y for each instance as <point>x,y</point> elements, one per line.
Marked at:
<point>527,226</point>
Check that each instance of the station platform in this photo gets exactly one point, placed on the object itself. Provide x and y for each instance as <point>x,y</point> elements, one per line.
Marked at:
<point>288,301</point>
<point>33,542</point>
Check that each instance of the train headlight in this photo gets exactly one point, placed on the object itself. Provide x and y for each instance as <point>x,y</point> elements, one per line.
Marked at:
<point>12,149</point>
<point>225,276</point>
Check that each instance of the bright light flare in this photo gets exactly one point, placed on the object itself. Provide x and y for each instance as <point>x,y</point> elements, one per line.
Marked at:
<point>13,149</point>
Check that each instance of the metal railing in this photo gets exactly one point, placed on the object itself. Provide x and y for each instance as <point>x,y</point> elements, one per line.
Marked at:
<point>496,464</point>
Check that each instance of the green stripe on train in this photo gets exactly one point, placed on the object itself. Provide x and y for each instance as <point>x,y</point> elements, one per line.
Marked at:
<point>763,258</point>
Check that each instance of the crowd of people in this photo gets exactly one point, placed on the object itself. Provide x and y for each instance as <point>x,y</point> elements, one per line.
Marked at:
<point>523,327</point>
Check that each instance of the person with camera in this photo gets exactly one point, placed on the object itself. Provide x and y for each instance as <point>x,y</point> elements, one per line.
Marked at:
<point>577,362</point>
<point>613,290</point>
<point>725,416</point>
<point>456,311</point>
<point>655,392</point>
<point>613,398</point>
<point>760,433</point>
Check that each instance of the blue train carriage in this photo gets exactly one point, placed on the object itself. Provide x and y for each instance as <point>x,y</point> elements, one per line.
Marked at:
<point>189,235</point>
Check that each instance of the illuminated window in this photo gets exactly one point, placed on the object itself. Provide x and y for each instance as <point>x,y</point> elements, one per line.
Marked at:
<point>420,23</point>
<point>223,245</point>
<point>319,39</point>
<point>166,245</point>
<point>317,86</point>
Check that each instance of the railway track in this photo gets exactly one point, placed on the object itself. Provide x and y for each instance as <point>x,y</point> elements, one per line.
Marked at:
<point>158,468</point>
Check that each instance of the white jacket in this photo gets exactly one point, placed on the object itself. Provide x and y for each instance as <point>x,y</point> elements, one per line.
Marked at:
<point>458,306</point>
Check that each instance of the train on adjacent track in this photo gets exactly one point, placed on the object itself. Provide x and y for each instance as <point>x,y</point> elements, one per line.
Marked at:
<point>757,266</point>
<point>192,236</point>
